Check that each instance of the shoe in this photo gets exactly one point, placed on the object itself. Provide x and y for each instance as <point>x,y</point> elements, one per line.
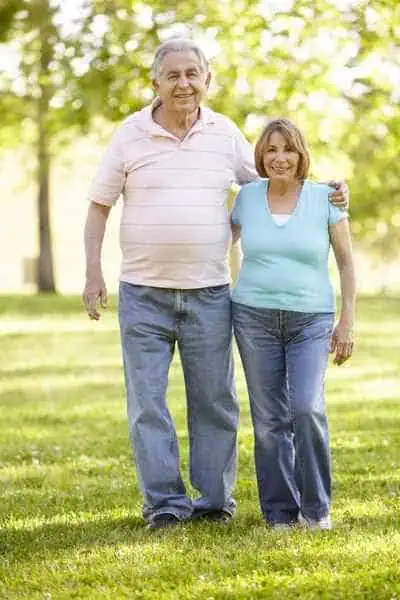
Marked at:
<point>323,524</point>
<point>216,516</point>
<point>163,521</point>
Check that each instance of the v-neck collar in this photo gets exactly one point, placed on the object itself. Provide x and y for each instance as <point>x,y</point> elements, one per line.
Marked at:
<point>292,215</point>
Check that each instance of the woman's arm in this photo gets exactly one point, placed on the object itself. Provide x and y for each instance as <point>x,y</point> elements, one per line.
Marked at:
<point>342,337</point>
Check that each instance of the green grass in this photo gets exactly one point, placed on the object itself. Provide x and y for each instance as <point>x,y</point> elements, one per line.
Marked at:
<point>70,511</point>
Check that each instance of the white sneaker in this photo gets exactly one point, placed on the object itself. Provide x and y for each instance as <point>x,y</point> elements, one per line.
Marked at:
<point>324,524</point>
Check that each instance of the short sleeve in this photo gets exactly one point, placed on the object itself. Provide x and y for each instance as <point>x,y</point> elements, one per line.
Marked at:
<point>336,214</point>
<point>109,180</point>
<point>236,210</point>
<point>245,170</point>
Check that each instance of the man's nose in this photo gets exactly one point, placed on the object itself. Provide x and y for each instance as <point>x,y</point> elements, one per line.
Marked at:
<point>183,81</point>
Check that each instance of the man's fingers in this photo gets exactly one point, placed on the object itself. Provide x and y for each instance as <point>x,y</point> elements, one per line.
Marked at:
<point>338,200</point>
<point>340,186</point>
<point>103,298</point>
<point>340,194</point>
<point>333,184</point>
<point>90,301</point>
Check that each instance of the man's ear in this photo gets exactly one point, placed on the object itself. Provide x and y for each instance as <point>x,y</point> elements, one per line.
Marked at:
<point>155,85</point>
<point>208,79</point>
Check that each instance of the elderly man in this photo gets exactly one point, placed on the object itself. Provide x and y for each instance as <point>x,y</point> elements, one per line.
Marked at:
<point>174,163</point>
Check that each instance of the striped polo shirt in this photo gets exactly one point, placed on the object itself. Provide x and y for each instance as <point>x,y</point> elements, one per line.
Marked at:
<point>175,230</point>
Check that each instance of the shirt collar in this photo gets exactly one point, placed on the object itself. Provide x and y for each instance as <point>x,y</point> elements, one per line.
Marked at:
<point>147,122</point>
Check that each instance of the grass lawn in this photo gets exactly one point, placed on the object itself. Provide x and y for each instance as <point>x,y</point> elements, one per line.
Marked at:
<point>70,511</point>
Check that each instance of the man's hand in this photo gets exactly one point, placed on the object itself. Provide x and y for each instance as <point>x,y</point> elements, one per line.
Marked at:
<point>95,290</point>
<point>342,343</point>
<point>340,197</point>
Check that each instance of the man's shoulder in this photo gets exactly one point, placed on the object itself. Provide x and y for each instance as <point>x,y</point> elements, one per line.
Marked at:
<point>221,121</point>
<point>136,122</point>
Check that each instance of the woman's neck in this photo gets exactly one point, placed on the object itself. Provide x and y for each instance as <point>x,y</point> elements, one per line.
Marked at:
<point>282,196</point>
<point>282,189</point>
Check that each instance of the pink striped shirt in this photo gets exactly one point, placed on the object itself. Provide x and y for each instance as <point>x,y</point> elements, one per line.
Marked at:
<point>175,224</point>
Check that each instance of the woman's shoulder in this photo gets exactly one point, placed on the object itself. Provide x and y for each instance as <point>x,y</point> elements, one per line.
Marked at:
<point>317,188</point>
<point>317,194</point>
<point>254,186</point>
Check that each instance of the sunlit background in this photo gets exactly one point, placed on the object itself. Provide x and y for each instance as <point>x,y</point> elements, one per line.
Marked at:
<point>333,67</point>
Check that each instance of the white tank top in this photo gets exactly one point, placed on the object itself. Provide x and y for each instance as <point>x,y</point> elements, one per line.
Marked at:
<point>280,219</point>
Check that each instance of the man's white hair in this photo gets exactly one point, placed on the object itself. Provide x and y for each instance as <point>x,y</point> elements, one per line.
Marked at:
<point>177,44</point>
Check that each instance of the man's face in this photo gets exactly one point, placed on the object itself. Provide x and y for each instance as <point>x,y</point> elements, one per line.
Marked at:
<point>182,83</point>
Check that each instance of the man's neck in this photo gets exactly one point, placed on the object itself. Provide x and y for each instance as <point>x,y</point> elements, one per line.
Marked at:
<point>176,123</point>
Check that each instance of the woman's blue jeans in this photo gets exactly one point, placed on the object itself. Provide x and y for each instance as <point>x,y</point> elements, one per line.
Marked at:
<point>152,321</point>
<point>284,355</point>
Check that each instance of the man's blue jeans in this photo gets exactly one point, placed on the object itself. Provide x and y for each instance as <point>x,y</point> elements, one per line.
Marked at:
<point>284,355</point>
<point>152,321</point>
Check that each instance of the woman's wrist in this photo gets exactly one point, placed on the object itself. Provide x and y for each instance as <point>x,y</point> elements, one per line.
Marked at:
<point>347,318</point>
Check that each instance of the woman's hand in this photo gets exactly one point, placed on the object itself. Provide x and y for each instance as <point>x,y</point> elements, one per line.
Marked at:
<point>342,342</point>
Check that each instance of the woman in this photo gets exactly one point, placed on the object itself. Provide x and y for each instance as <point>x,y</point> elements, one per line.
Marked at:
<point>283,315</point>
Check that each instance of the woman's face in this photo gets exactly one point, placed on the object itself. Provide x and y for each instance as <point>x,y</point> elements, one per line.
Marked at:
<point>280,160</point>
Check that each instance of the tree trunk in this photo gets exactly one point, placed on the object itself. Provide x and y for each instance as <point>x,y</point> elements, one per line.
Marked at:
<point>45,268</point>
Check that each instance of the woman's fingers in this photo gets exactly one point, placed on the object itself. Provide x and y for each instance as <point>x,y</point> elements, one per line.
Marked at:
<point>343,352</point>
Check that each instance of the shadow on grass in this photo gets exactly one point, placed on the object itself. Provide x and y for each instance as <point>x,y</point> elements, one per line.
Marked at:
<point>17,544</point>
<point>375,524</point>
<point>85,537</point>
<point>23,544</point>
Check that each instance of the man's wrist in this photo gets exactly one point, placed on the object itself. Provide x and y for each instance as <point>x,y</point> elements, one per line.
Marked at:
<point>94,273</point>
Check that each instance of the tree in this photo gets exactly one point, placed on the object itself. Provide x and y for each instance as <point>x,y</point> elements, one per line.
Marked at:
<point>34,101</point>
<point>334,67</point>
<point>65,76</point>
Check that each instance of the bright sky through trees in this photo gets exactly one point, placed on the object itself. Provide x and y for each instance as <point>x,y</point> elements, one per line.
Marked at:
<point>333,66</point>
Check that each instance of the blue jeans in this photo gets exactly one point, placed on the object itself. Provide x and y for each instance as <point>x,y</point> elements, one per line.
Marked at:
<point>284,356</point>
<point>152,321</point>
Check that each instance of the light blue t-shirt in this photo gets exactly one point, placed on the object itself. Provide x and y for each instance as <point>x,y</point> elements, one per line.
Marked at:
<point>285,266</point>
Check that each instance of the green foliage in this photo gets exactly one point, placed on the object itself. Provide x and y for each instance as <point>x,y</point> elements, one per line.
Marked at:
<point>70,510</point>
<point>334,67</point>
